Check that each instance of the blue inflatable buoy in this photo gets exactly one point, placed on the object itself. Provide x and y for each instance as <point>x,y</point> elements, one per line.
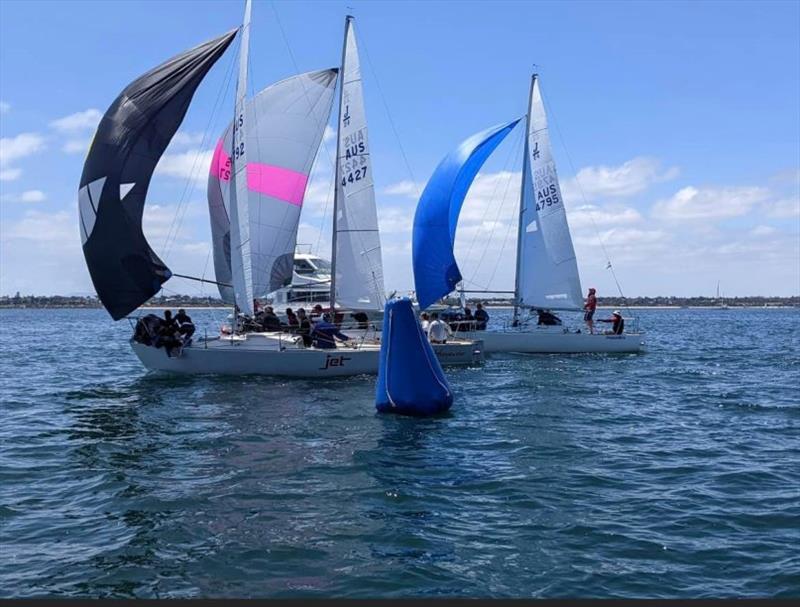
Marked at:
<point>410,378</point>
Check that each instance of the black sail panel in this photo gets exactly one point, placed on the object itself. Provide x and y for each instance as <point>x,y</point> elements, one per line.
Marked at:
<point>128,144</point>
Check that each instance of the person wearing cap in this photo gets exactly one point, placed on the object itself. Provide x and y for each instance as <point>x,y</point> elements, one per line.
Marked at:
<point>325,333</point>
<point>618,325</point>
<point>590,306</point>
<point>304,327</point>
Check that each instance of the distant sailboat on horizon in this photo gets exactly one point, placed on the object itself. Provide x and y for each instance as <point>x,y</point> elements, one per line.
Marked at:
<point>720,300</point>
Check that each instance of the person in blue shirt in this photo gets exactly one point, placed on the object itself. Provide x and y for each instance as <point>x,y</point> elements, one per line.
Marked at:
<point>324,334</point>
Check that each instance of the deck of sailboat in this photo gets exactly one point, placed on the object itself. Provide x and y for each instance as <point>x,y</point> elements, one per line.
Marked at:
<point>554,340</point>
<point>283,355</point>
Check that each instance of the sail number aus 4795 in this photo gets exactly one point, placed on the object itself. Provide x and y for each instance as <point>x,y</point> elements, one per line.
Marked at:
<point>547,196</point>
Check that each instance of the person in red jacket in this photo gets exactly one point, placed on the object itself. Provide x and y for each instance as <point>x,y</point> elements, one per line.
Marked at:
<point>590,306</point>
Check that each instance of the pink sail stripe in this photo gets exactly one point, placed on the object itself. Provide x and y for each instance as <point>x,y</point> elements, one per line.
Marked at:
<point>275,181</point>
<point>221,163</point>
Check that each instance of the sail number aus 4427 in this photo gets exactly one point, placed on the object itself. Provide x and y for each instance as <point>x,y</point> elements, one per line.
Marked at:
<point>547,197</point>
<point>353,176</point>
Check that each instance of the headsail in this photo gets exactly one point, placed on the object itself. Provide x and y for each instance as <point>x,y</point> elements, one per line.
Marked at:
<point>436,272</point>
<point>128,144</point>
<point>547,270</point>
<point>286,123</point>
<point>219,197</point>
<point>358,279</point>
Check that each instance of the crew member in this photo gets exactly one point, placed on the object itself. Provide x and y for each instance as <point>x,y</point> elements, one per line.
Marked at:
<point>304,327</point>
<point>618,326</point>
<point>270,320</point>
<point>292,324</point>
<point>590,306</point>
<point>547,318</point>
<point>361,318</point>
<point>481,317</point>
<point>185,326</point>
<point>325,333</point>
<point>438,330</point>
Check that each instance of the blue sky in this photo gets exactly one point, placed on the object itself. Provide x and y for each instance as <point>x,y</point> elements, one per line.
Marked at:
<point>678,121</point>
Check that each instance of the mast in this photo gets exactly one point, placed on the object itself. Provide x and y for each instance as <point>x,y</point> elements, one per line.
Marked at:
<point>337,170</point>
<point>525,175</point>
<point>240,228</point>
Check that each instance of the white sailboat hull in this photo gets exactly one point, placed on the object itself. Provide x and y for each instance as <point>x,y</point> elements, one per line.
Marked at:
<point>270,354</point>
<point>549,341</point>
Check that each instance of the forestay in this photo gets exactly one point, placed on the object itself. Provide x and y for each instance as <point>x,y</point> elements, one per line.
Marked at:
<point>278,135</point>
<point>547,270</point>
<point>128,144</point>
<point>358,281</point>
<point>436,272</point>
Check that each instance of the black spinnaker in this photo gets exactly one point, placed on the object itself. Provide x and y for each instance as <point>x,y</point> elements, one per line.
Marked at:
<point>128,144</point>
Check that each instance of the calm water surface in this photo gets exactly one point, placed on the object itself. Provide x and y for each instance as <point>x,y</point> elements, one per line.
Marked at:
<point>675,473</point>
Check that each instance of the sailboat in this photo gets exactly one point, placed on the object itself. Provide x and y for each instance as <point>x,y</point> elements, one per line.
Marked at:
<point>720,300</point>
<point>546,276</point>
<point>273,140</point>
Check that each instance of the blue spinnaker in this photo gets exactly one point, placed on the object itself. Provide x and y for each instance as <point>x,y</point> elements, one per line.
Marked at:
<point>436,272</point>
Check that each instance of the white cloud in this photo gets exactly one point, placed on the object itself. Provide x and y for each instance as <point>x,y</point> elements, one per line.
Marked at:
<point>329,134</point>
<point>403,188</point>
<point>41,253</point>
<point>5,107</point>
<point>190,165</point>
<point>43,227</point>
<point>761,231</point>
<point>627,179</point>
<point>691,203</point>
<point>76,146</point>
<point>10,174</point>
<point>783,207</point>
<point>28,196</point>
<point>186,139</point>
<point>78,122</point>
<point>16,148</point>
<point>591,216</point>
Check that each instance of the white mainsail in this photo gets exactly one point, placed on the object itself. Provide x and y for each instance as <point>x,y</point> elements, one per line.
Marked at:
<point>547,270</point>
<point>286,121</point>
<point>275,139</point>
<point>358,267</point>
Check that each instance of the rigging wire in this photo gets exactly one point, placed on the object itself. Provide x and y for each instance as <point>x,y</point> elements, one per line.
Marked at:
<point>506,164</point>
<point>609,265</point>
<point>331,156</point>
<point>190,184</point>
<point>512,225</point>
<point>417,192</point>
<point>513,152</point>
